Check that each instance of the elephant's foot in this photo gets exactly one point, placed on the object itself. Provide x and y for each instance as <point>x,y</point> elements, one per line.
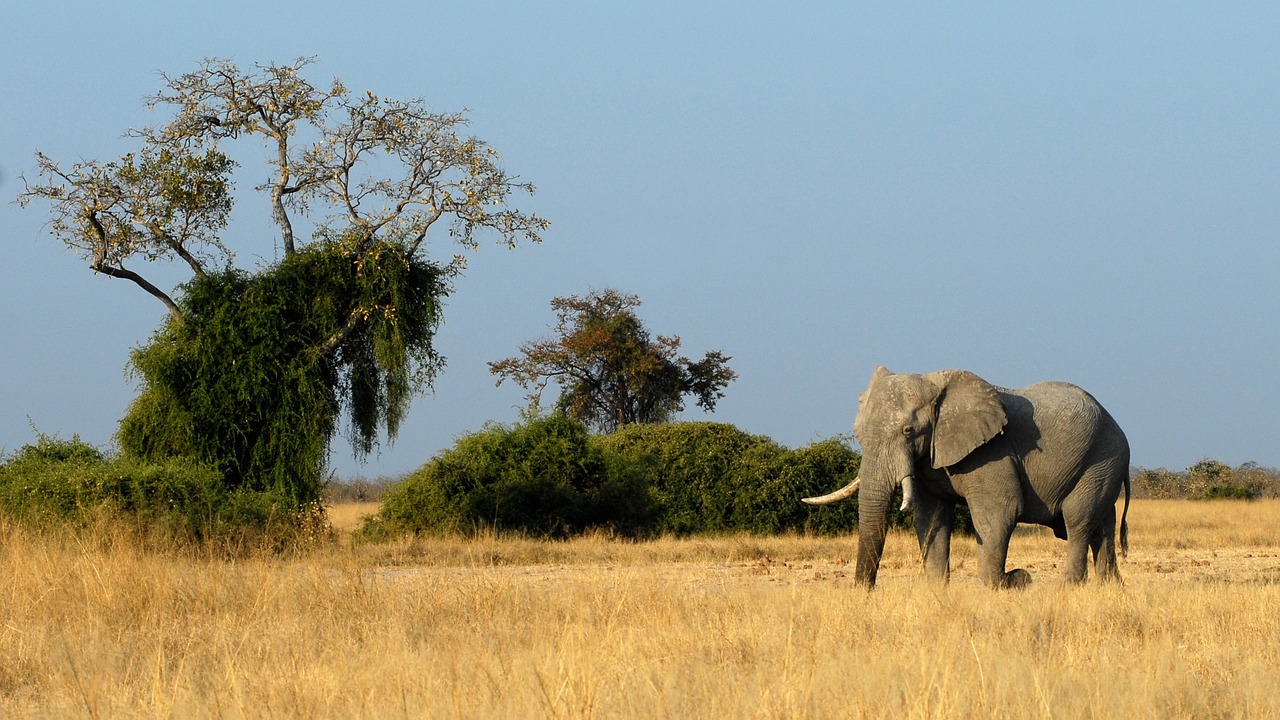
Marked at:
<point>1016,579</point>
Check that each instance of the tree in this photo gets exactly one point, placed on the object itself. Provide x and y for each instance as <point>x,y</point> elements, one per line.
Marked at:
<point>252,369</point>
<point>610,371</point>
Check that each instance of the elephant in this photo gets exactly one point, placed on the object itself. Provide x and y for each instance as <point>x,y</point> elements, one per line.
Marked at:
<point>1048,454</point>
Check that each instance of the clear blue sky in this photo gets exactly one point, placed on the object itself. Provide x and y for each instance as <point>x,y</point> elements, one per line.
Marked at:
<point>1089,193</point>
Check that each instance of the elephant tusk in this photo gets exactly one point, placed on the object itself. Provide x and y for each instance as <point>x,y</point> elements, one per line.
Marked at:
<point>838,495</point>
<point>908,493</point>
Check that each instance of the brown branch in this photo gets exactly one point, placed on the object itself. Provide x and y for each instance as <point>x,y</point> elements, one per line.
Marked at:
<point>353,322</point>
<point>191,260</point>
<point>159,234</point>
<point>119,272</point>
<point>99,264</point>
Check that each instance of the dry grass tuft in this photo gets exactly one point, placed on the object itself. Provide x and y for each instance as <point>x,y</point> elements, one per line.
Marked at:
<point>94,626</point>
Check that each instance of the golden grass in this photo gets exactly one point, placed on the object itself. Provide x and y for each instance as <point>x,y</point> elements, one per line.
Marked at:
<point>92,626</point>
<point>347,517</point>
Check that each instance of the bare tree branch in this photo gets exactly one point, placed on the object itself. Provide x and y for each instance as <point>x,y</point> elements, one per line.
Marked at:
<point>156,204</point>
<point>99,265</point>
<point>162,296</point>
<point>218,101</point>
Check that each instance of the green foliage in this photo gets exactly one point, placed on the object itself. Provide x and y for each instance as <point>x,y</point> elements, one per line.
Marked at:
<point>160,203</point>
<point>252,381</point>
<point>610,370</point>
<point>1226,491</point>
<point>816,468</point>
<point>548,477</point>
<point>544,477</point>
<point>56,481</point>
<point>713,477</point>
<point>1213,479</point>
<point>688,466</point>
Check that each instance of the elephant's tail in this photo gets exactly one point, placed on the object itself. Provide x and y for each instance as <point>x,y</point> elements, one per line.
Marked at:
<point>1124,521</point>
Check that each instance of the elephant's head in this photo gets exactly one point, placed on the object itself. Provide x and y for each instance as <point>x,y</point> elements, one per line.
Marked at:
<point>908,422</point>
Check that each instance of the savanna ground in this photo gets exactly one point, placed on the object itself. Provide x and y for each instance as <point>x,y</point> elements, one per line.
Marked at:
<point>94,626</point>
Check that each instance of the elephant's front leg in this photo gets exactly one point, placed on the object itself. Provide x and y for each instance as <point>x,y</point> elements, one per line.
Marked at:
<point>935,518</point>
<point>994,527</point>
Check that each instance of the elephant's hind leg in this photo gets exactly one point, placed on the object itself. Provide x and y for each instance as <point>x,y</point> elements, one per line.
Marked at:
<point>1077,569</point>
<point>1103,545</point>
<point>1079,531</point>
<point>1090,516</point>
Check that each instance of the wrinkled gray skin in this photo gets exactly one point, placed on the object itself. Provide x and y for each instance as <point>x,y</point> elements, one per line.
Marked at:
<point>1047,454</point>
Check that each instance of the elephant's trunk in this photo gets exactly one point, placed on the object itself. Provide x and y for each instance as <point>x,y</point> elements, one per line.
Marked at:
<point>873,526</point>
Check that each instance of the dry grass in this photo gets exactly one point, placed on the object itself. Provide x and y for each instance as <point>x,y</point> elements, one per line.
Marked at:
<point>91,626</point>
<point>347,517</point>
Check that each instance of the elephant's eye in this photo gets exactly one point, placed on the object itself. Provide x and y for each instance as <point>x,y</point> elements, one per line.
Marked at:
<point>908,431</point>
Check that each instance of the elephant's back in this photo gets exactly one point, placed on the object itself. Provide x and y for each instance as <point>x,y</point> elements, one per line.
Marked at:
<point>1057,420</point>
<point>1056,393</point>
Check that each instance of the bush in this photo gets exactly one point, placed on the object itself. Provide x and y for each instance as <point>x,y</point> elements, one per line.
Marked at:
<point>1261,481</point>
<point>1213,479</point>
<point>57,481</point>
<point>357,490</point>
<point>688,466</point>
<point>715,477</point>
<point>1228,490</point>
<point>544,477</point>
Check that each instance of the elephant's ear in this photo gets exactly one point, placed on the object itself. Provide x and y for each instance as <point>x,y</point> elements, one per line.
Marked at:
<point>969,415</point>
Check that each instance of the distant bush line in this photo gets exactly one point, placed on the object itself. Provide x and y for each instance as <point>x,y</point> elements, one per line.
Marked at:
<point>359,489</point>
<point>1208,479</point>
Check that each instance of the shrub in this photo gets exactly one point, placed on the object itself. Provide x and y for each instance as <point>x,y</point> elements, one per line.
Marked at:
<point>60,481</point>
<point>1159,483</point>
<point>1261,481</point>
<point>357,490</point>
<point>1212,479</point>
<point>1226,490</point>
<point>715,477</point>
<point>688,467</point>
<point>543,477</point>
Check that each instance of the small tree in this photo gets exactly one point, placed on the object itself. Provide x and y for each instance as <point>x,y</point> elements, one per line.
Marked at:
<point>610,371</point>
<point>251,371</point>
